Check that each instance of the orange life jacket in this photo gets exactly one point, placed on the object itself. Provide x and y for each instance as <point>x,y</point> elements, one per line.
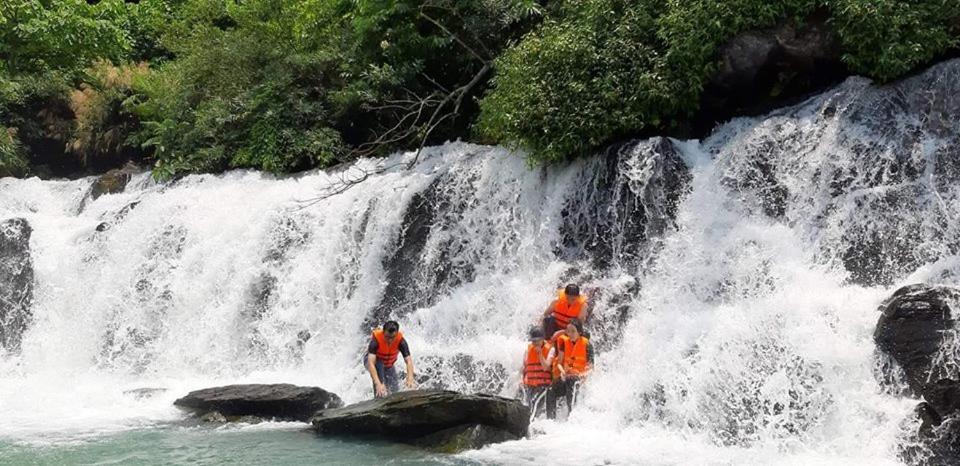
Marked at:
<point>534,375</point>
<point>387,353</point>
<point>575,360</point>
<point>564,310</point>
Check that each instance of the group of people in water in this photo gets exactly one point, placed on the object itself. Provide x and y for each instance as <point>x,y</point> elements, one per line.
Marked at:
<point>557,360</point>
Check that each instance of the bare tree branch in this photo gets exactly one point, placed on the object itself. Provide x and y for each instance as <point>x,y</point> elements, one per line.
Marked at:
<point>454,37</point>
<point>409,113</point>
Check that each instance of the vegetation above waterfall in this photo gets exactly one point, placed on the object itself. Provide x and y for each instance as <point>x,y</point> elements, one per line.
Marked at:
<point>284,85</point>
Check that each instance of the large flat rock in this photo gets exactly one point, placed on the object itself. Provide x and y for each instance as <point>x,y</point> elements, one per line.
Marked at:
<point>275,401</point>
<point>430,418</point>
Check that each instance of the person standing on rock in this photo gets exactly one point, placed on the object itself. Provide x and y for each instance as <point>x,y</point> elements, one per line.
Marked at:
<point>386,344</point>
<point>575,356</point>
<point>537,376</point>
<point>569,304</point>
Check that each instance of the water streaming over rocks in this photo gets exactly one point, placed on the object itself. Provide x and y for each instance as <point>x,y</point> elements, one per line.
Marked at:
<point>738,280</point>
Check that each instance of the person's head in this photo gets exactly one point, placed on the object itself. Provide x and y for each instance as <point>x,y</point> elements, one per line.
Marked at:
<point>390,329</point>
<point>574,329</point>
<point>536,336</point>
<point>572,290</point>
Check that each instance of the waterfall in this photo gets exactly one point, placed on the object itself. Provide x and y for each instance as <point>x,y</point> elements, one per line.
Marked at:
<point>738,279</point>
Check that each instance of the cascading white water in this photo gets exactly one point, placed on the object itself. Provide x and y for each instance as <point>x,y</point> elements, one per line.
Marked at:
<point>739,280</point>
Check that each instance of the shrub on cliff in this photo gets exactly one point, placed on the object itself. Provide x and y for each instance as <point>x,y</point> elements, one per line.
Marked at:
<point>102,122</point>
<point>13,161</point>
<point>46,52</point>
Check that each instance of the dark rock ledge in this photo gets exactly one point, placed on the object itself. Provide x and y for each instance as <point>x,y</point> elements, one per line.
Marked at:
<point>282,402</point>
<point>439,420</point>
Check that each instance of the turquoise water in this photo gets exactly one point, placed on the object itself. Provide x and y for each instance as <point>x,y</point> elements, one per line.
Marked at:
<point>203,445</point>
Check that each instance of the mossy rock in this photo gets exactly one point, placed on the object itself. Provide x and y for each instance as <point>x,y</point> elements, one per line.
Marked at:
<point>111,182</point>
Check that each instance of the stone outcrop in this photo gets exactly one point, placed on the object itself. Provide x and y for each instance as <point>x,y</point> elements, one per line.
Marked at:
<point>433,419</point>
<point>917,330</point>
<point>911,330</point>
<point>759,70</point>
<point>277,401</point>
<point>16,282</point>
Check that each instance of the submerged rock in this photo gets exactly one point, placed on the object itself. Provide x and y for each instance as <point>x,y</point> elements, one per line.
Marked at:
<point>277,401</point>
<point>16,282</point>
<point>868,172</point>
<point>146,392</point>
<point>435,419</point>
<point>626,199</point>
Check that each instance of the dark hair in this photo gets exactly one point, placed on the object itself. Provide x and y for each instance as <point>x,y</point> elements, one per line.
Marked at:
<point>572,290</point>
<point>577,324</point>
<point>536,333</point>
<point>391,326</point>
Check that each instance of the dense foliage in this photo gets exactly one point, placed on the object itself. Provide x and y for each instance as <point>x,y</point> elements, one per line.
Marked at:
<point>285,85</point>
<point>600,69</point>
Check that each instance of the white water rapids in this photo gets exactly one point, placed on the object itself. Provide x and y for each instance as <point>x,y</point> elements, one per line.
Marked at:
<point>739,279</point>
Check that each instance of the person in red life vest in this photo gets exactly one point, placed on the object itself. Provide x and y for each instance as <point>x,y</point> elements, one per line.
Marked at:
<point>575,356</point>
<point>537,377</point>
<point>570,304</point>
<point>385,345</point>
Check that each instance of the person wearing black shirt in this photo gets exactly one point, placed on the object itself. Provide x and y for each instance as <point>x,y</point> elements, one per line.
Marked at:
<point>385,345</point>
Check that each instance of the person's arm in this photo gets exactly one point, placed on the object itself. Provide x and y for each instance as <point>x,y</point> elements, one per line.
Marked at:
<point>545,363</point>
<point>549,311</point>
<point>381,389</point>
<point>563,370</point>
<point>411,383</point>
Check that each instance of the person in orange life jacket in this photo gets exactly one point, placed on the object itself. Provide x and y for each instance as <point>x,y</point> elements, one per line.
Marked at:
<point>569,304</point>
<point>385,345</point>
<point>575,356</point>
<point>536,373</point>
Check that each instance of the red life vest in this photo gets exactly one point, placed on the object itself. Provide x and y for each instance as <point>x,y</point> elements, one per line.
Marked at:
<point>575,358</point>
<point>564,310</point>
<point>387,353</point>
<point>534,375</point>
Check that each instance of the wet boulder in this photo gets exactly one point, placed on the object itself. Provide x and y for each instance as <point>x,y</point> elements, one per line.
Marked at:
<point>276,401</point>
<point>111,182</point>
<point>16,282</point>
<point>913,324</point>
<point>917,331</point>
<point>434,419</point>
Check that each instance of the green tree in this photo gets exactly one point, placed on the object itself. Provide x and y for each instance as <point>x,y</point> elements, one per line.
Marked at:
<point>598,70</point>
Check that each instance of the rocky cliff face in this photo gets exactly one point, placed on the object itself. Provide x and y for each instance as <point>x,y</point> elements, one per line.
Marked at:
<point>16,282</point>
